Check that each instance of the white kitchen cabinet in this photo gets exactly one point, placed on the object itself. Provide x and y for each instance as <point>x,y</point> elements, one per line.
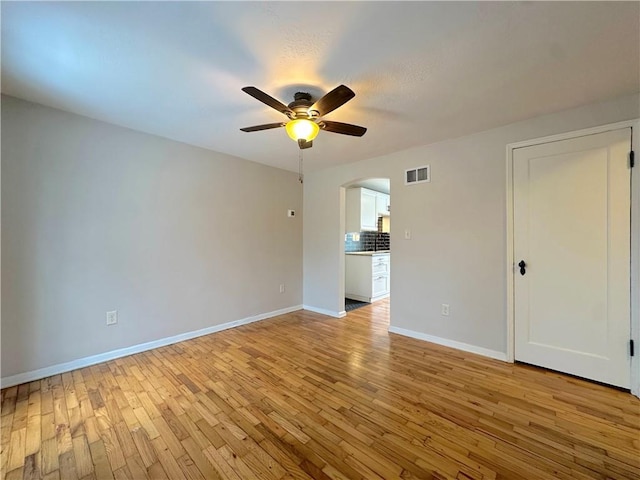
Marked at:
<point>380,287</point>
<point>361,210</point>
<point>367,276</point>
<point>382,203</point>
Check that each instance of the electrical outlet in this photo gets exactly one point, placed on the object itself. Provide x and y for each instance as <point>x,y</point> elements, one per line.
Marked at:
<point>445,309</point>
<point>282,288</point>
<point>112,317</point>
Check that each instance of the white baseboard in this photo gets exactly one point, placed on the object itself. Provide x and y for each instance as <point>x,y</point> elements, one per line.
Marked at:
<point>361,298</point>
<point>143,347</point>
<point>450,343</point>
<point>323,311</point>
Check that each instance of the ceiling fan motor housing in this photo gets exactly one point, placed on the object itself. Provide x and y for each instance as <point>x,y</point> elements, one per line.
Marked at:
<point>300,105</point>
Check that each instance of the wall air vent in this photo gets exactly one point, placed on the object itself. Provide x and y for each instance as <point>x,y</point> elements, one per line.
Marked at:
<point>417,175</point>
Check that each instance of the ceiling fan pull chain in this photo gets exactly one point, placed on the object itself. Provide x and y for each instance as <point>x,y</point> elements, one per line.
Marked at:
<point>300,174</point>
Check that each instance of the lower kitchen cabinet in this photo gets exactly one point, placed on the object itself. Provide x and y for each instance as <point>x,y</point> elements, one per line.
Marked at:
<point>367,277</point>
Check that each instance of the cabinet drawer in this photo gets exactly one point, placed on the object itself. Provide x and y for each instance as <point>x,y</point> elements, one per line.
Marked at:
<point>379,268</point>
<point>381,258</point>
<point>380,285</point>
<point>380,264</point>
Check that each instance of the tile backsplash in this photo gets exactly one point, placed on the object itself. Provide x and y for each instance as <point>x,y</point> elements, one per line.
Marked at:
<point>366,242</point>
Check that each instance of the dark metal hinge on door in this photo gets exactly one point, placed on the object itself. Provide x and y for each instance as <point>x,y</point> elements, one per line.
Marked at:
<point>631,349</point>
<point>632,161</point>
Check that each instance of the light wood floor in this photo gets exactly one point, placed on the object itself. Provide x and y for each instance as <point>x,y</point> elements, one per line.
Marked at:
<point>305,396</point>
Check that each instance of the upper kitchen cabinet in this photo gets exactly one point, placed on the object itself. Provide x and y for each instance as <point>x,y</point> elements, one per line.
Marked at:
<point>383,206</point>
<point>361,212</point>
<point>362,209</point>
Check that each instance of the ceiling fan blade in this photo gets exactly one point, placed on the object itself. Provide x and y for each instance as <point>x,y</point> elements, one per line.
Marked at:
<point>332,100</point>
<point>266,126</point>
<point>343,128</point>
<point>267,100</point>
<point>304,144</point>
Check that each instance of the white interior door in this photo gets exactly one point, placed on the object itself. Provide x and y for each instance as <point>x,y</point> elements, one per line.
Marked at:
<point>572,203</point>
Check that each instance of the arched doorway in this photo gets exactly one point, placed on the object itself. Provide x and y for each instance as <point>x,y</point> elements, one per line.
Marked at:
<point>366,219</point>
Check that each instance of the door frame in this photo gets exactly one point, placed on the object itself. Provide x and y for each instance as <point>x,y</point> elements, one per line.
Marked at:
<point>635,238</point>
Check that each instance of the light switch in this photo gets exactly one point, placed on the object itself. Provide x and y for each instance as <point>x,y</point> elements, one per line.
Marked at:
<point>407,234</point>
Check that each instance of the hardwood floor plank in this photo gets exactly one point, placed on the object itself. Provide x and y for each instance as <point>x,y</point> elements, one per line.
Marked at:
<point>220,464</point>
<point>113,449</point>
<point>156,472</point>
<point>303,396</point>
<point>15,474</point>
<point>204,465</point>
<point>68,466</point>
<point>145,449</point>
<point>16,449</point>
<point>236,463</point>
<point>166,458</point>
<point>137,468</point>
<point>31,468</point>
<point>82,453</point>
<point>103,470</point>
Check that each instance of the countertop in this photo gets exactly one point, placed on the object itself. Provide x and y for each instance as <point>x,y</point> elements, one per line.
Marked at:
<point>379,252</point>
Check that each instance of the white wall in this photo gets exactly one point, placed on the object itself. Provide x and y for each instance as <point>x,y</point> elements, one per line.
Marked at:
<point>96,217</point>
<point>458,222</point>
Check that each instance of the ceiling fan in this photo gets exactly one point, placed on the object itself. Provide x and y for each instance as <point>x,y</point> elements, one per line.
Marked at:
<point>305,117</point>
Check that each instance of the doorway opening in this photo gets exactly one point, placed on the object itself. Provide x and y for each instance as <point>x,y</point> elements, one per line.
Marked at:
<point>366,248</point>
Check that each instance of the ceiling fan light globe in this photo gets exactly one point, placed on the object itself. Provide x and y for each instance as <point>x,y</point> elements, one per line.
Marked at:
<point>302,129</point>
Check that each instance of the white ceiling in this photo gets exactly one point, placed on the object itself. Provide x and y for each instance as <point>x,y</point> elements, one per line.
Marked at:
<point>422,71</point>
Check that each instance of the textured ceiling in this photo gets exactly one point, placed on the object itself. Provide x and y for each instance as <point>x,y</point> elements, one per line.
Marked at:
<point>422,71</point>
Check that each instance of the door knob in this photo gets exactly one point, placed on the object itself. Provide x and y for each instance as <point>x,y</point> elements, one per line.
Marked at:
<point>522,265</point>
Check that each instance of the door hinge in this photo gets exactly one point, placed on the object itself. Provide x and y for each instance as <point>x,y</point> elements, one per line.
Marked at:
<point>632,160</point>
<point>631,349</point>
